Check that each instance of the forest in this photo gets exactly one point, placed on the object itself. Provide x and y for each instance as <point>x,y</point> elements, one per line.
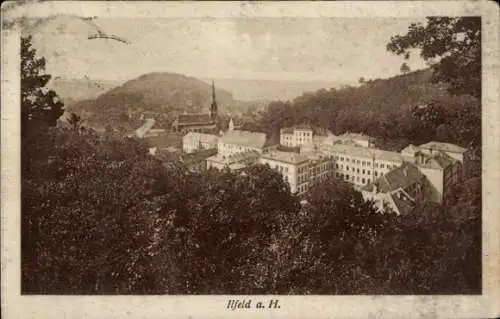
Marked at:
<point>102,216</point>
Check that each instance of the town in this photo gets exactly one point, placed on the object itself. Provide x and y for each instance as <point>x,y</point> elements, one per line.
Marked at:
<point>306,155</point>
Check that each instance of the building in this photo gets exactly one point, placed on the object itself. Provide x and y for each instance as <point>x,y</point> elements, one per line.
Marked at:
<point>199,122</point>
<point>399,190</point>
<point>197,161</point>
<point>236,141</point>
<point>194,141</point>
<point>296,135</point>
<point>233,162</point>
<point>300,171</point>
<point>441,170</point>
<point>360,165</point>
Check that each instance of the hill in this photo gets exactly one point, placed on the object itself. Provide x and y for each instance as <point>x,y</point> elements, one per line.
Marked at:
<point>404,108</point>
<point>161,95</point>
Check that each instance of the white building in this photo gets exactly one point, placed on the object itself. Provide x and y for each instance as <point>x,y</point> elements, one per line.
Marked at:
<point>296,136</point>
<point>194,141</point>
<point>360,165</point>
<point>298,170</point>
<point>236,141</point>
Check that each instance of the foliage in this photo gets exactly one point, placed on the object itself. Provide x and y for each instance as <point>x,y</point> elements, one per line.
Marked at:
<point>452,45</point>
<point>39,105</point>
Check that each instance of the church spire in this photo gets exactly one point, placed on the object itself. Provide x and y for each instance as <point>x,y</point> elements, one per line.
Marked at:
<point>213,107</point>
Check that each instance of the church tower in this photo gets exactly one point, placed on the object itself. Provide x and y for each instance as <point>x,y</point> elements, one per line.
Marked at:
<point>213,107</point>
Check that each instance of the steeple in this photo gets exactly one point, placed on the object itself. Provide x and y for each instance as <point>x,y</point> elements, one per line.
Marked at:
<point>213,107</point>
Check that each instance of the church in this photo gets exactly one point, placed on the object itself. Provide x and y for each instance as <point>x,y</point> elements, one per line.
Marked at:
<point>199,122</point>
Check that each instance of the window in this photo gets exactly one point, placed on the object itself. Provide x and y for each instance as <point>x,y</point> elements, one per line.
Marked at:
<point>369,181</point>
<point>359,161</point>
<point>363,180</point>
<point>382,165</point>
<point>347,167</point>
<point>376,173</point>
<point>357,171</point>
<point>357,179</point>
<point>363,171</point>
<point>346,177</point>
<point>369,172</point>
<point>376,165</point>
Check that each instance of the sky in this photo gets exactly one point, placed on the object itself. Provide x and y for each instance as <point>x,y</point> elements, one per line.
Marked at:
<point>298,49</point>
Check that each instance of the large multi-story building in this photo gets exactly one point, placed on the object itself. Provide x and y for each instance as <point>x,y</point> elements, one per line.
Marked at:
<point>236,141</point>
<point>296,135</point>
<point>360,165</point>
<point>301,172</point>
<point>194,141</point>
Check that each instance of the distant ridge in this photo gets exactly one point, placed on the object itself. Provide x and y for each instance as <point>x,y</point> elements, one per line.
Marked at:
<point>269,90</point>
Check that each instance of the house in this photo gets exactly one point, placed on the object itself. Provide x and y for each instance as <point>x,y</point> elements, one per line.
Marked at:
<point>296,135</point>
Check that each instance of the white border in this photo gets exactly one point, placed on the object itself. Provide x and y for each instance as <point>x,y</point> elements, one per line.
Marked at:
<point>16,306</point>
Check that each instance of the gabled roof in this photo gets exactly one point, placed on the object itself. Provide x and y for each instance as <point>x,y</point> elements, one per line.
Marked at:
<point>445,147</point>
<point>244,138</point>
<point>400,177</point>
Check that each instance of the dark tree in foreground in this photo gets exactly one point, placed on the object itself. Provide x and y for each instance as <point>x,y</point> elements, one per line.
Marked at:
<point>39,105</point>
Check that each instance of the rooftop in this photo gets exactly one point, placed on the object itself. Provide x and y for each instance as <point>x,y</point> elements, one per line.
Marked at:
<point>244,138</point>
<point>285,157</point>
<point>445,147</point>
<point>363,152</point>
<point>404,203</point>
<point>234,158</point>
<point>436,160</point>
<point>401,177</point>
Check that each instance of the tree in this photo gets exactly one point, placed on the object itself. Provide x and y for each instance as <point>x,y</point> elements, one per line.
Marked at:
<point>404,68</point>
<point>361,80</point>
<point>451,45</point>
<point>39,105</point>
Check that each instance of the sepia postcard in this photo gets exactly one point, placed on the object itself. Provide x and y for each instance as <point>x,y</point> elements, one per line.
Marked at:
<point>166,159</point>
